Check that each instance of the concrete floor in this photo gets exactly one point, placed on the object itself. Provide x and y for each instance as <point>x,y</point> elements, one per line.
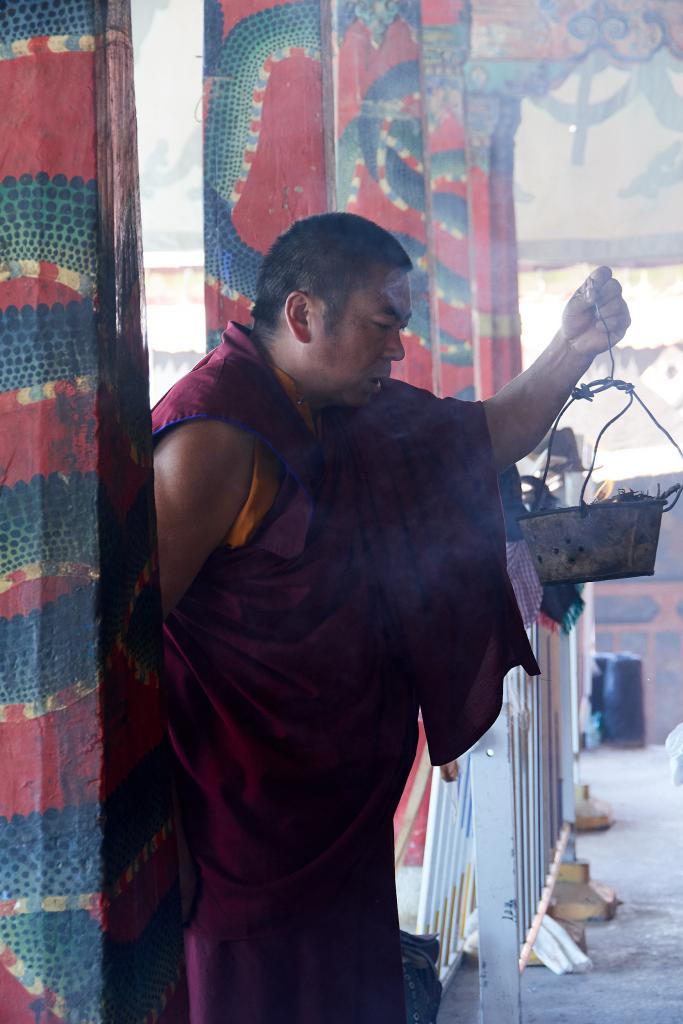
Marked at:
<point>638,957</point>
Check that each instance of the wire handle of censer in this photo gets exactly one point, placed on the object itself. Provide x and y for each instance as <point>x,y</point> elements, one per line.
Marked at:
<point>588,392</point>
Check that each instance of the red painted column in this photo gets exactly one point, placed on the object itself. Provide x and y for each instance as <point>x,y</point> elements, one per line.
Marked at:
<point>380,168</point>
<point>89,905</point>
<point>381,135</point>
<point>444,49</point>
<point>504,255</point>
<point>491,122</point>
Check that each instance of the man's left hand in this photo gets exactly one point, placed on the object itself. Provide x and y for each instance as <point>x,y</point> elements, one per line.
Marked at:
<point>595,309</point>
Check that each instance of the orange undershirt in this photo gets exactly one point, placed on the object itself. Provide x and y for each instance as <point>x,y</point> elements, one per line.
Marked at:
<point>266,475</point>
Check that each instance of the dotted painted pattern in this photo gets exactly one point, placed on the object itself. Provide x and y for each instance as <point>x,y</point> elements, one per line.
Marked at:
<point>42,668</point>
<point>25,19</point>
<point>144,653</point>
<point>66,535</point>
<point>57,851</point>
<point>50,650</point>
<point>54,866</point>
<point>396,162</point>
<point>237,84</point>
<point>142,976</point>
<point>61,953</point>
<point>259,93</point>
<point>240,69</point>
<point>53,220</point>
<point>44,999</point>
<point>230,262</point>
<point>45,344</point>
<point>49,704</point>
<point>52,873</point>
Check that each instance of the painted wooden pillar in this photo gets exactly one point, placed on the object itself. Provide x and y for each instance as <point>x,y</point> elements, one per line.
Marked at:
<point>397,132</point>
<point>492,121</point>
<point>383,135</point>
<point>89,905</point>
<point>264,149</point>
<point>379,142</point>
<point>444,49</point>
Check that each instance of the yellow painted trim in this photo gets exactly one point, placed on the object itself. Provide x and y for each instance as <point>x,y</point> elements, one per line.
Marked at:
<point>489,325</point>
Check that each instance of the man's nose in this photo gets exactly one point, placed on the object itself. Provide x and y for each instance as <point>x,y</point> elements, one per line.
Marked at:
<point>395,349</point>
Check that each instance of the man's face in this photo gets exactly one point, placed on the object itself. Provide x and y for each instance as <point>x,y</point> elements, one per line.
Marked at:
<point>349,361</point>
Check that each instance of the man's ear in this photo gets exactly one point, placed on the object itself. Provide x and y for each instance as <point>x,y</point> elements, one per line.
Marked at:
<point>298,312</point>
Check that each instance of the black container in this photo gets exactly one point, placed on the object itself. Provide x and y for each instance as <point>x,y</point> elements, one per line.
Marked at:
<point>600,662</point>
<point>622,699</point>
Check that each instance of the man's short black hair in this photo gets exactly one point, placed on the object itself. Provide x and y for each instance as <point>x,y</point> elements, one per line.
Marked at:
<point>327,255</point>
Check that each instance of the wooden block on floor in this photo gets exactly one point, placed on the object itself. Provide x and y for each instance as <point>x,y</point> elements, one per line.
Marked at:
<point>574,871</point>
<point>584,901</point>
<point>592,814</point>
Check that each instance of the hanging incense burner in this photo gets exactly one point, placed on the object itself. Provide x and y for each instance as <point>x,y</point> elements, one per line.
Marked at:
<point>604,540</point>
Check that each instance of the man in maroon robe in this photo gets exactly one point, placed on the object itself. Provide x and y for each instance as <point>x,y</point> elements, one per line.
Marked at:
<point>332,559</point>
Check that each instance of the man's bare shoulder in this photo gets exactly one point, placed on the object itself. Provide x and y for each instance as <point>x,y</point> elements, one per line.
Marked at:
<point>202,476</point>
<point>204,445</point>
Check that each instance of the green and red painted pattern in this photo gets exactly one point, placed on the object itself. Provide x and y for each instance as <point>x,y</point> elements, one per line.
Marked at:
<point>380,153</point>
<point>264,163</point>
<point>89,909</point>
<point>444,45</point>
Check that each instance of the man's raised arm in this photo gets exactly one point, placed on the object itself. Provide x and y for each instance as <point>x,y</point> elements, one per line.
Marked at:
<point>521,414</point>
<point>202,476</point>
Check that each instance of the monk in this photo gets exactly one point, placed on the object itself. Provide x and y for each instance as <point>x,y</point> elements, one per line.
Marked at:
<point>332,563</point>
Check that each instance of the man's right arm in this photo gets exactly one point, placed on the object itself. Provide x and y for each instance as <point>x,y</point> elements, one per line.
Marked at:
<point>202,477</point>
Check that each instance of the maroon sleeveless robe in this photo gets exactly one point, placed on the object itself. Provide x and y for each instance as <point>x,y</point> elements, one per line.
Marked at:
<point>295,667</point>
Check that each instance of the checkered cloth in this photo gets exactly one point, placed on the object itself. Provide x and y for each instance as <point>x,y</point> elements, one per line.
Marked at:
<point>525,581</point>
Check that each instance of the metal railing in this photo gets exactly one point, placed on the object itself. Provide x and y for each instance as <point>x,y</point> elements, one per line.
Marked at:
<point>534,751</point>
<point>523,795</point>
<point>447,893</point>
<point>512,818</point>
<point>537,743</point>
